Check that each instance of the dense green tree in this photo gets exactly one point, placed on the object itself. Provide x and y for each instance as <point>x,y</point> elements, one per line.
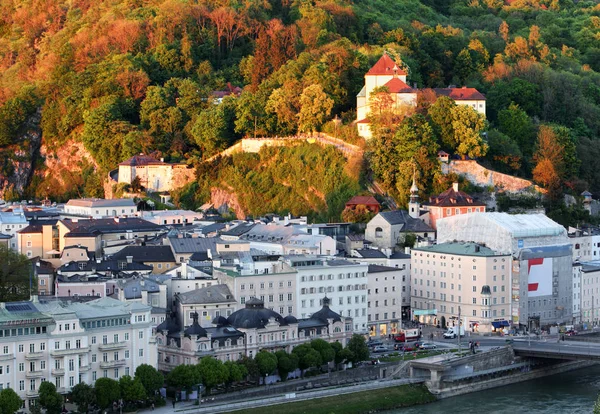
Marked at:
<point>235,371</point>
<point>267,362</point>
<point>251,367</point>
<point>10,401</point>
<point>51,400</point>
<point>107,392</point>
<point>286,363</point>
<point>151,378</point>
<point>184,377</point>
<point>324,348</point>
<point>358,346</point>
<point>15,113</point>
<point>84,396</point>
<point>515,123</point>
<point>213,129</point>
<point>131,390</point>
<point>315,108</point>
<point>468,125</point>
<point>212,372</point>
<point>16,276</point>
<point>440,114</point>
<point>504,153</point>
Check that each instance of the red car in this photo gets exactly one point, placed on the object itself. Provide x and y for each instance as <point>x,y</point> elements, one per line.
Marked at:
<point>571,332</point>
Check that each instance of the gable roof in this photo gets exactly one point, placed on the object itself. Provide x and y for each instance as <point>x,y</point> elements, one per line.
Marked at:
<point>385,66</point>
<point>371,254</point>
<point>146,254</point>
<point>453,198</point>
<point>461,94</point>
<point>363,200</point>
<point>140,160</point>
<point>100,202</point>
<point>209,294</point>
<point>396,85</point>
<point>409,224</point>
<point>108,225</point>
<point>193,244</point>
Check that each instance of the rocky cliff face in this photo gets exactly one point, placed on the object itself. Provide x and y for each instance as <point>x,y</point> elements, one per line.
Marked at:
<point>18,161</point>
<point>220,198</point>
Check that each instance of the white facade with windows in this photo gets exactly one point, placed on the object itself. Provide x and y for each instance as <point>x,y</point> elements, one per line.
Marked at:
<point>342,281</point>
<point>10,223</point>
<point>68,343</point>
<point>388,299</point>
<point>100,208</point>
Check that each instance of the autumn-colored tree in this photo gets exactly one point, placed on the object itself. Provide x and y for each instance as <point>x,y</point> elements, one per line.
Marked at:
<point>468,124</point>
<point>315,107</point>
<point>549,161</point>
<point>503,30</point>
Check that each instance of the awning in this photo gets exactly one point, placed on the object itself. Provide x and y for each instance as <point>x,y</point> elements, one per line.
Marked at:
<point>500,324</point>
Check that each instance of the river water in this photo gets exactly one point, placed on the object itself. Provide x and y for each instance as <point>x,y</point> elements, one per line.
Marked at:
<point>571,392</point>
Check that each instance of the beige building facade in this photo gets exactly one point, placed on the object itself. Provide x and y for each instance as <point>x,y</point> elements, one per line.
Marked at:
<point>459,275</point>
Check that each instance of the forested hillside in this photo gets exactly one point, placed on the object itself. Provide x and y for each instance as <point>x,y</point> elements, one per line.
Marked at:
<point>123,77</point>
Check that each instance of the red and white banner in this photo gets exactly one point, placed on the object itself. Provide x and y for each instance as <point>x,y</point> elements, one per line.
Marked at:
<point>539,282</point>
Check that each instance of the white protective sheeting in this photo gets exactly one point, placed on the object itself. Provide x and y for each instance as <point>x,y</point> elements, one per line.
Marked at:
<point>502,232</point>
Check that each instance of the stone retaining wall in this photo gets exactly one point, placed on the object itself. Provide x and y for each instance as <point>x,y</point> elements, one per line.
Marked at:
<point>481,176</point>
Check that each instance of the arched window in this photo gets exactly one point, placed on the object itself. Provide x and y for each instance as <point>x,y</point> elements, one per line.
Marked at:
<point>378,232</point>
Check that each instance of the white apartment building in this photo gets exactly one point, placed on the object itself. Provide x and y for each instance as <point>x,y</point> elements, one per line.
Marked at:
<point>267,278</point>
<point>164,217</point>
<point>469,276</point>
<point>100,208</point>
<point>342,281</point>
<point>577,270</point>
<point>586,244</point>
<point>590,293</point>
<point>10,223</point>
<point>71,342</point>
<point>388,299</point>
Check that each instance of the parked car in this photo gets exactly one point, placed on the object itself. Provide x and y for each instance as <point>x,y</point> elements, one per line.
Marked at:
<point>428,345</point>
<point>380,348</point>
<point>410,346</point>
<point>374,343</point>
<point>571,332</point>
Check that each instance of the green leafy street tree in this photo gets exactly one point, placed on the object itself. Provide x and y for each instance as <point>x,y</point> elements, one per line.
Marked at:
<point>344,356</point>
<point>267,362</point>
<point>235,372</point>
<point>84,396</point>
<point>213,129</point>
<point>315,108</point>
<point>358,346</point>
<point>131,390</point>
<point>251,367</point>
<point>10,402</point>
<point>597,406</point>
<point>184,377</point>
<point>468,124</point>
<point>107,391</point>
<point>151,378</point>
<point>15,276</point>
<point>212,372</point>
<point>286,363</point>
<point>51,400</point>
<point>324,348</point>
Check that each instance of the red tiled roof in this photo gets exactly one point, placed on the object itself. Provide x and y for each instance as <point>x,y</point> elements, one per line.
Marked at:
<point>461,94</point>
<point>395,85</point>
<point>385,66</point>
<point>142,160</point>
<point>363,200</point>
<point>452,198</point>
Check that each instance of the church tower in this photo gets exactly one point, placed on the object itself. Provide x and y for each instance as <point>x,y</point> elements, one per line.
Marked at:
<point>413,205</point>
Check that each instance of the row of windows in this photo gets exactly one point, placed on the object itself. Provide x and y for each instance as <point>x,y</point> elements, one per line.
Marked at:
<point>385,316</point>
<point>313,278</point>
<point>37,330</point>
<point>103,323</point>
<point>385,303</point>
<point>262,285</point>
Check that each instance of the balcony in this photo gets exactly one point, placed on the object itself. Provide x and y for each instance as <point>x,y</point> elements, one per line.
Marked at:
<point>113,364</point>
<point>113,346</point>
<point>34,355</point>
<point>84,368</point>
<point>58,372</point>
<point>57,353</point>
<point>63,390</point>
<point>31,393</point>
<point>7,357</point>
<point>34,374</point>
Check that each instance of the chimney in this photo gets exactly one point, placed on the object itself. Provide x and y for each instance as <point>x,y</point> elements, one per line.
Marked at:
<point>162,160</point>
<point>34,298</point>
<point>407,250</point>
<point>98,261</point>
<point>129,259</point>
<point>455,186</point>
<point>477,248</point>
